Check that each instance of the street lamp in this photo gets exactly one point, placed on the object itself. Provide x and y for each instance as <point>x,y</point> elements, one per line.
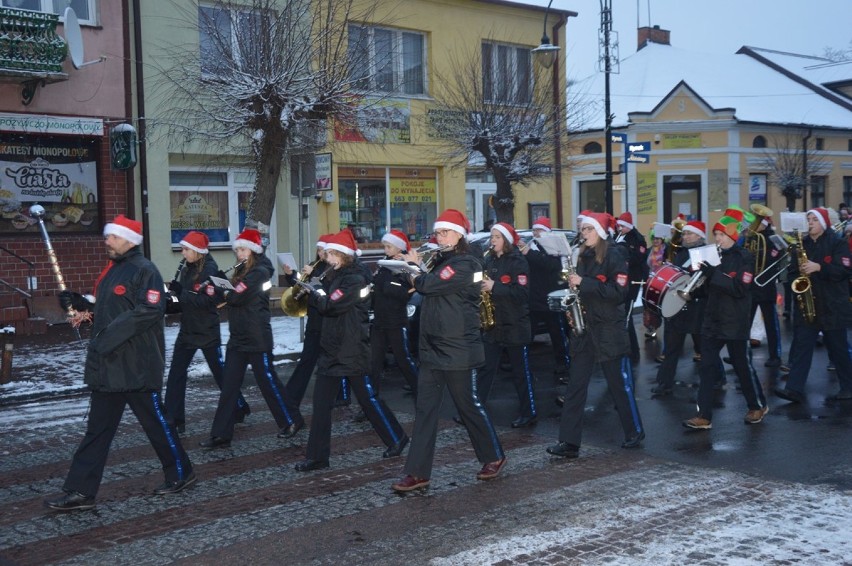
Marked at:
<point>546,53</point>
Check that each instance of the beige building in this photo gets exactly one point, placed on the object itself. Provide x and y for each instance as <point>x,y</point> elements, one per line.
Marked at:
<point>702,131</point>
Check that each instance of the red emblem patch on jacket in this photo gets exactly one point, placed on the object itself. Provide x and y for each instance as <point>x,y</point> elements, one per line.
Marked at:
<point>845,261</point>
<point>447,273</point>
<point>505,279</point>
<point>621,279</point>
<point>210,291</point>
<point>641,249</point>
<point>119,290</point>
<point>826,259</point>
<point>336,295</point>
<point>601,278</point>
<point>153,296</point>
<point>522,280</point>
<point>196,287</point>
<point>747,277</point>
<point>731,274</point>
<point>774,253</point>
<point>241,286</point>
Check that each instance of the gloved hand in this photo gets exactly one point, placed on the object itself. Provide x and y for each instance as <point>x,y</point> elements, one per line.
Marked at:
<point>707,269</point>
<point>76,301</point>
<point>175,288</point>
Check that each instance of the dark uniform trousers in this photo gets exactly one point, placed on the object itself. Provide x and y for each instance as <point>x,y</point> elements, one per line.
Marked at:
<point>710,371</point>
<point>673,342</point>
<point>521,374</point>
<point>280,405</point>
<point>802,352</point>
<point>557,328</point>
<point>325,388</point>
<point>631,328</point>
<point>770,322</point>
<point>297,385</point>
<point>462,385</point>
<point>176,385</point>
<point>619,380</point>
<point>397,339</point>
<point>105,412</point>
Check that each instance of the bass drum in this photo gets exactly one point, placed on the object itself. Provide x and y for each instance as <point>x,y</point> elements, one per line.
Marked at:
<point>661,290</point>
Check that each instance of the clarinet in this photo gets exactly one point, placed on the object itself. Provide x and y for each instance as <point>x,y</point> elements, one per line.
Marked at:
<point>173,305</point>
<point>179,269</point>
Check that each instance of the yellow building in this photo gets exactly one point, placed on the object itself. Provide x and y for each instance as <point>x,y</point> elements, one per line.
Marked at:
<point>702,131</point>
<point>383,174</point>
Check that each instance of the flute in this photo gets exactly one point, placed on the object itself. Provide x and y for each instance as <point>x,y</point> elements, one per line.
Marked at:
<point>37,211</point>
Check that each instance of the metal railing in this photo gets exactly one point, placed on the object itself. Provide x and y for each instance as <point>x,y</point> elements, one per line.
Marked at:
<point>29,43</point>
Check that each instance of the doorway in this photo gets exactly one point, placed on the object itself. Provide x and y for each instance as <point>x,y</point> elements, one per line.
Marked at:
<point>682,195</point>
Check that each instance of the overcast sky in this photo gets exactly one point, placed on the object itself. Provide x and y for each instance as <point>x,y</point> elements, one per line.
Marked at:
<point>719,26</point>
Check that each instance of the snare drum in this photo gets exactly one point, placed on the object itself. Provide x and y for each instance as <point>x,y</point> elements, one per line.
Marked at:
<point>661,290</point>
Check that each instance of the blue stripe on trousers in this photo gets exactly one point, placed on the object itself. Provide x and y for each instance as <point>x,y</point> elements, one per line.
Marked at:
<point>268,373</point>
<point>528,378</point>
<point>158,410</point>
<point>479,407</point>
<point>627,378</point>
<point>378,407</point>
<point>408,357</point>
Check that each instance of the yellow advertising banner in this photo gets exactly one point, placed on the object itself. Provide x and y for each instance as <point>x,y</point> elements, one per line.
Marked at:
<point>646,193</point>
<point>681,141</point>
<point>412,190</point>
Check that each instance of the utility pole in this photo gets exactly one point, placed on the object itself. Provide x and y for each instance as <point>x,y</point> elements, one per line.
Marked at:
<point>606,30</point>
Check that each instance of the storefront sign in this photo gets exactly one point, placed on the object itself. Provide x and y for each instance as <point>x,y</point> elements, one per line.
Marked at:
<point>322,171</point>
<point>757,188</point>
<point>646,193</point>
<point>681,141</point>
<point>378,121</point>
<point>412,190</point>
<point>205,211</point>
<point>29,124</point>
<point>60,175</point>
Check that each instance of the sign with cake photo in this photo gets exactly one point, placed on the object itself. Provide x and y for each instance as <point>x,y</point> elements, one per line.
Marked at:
<point>59,174</point>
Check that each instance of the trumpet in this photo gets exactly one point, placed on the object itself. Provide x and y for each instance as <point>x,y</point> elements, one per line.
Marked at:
<point>294,300</point>
<point>695,281</point>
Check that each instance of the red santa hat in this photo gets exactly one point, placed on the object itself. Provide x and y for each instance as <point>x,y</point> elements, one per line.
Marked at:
<point>343,242</point>
<point>452,219</point>
<point>124,227</point>
<point>734,213</point>
<point>396,238</point>
<point>196,241</point>
<point>542,223</point>
<point>322,241</point>
<point>696,227</point>
<point>626,220</point>
<point>249,239</point>
<point>821,215</point>
<point>599,221</point>
<point>508,232</point>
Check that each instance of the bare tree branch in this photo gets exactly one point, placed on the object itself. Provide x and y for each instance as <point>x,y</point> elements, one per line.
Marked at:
<point>790,160</point>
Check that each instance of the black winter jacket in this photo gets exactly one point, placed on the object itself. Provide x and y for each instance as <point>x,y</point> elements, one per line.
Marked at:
<point>510,296</point>
<point>637,256</point>
<point>199,323</point>
<point>603,290</point>
<point>127,349</point>
<point>689,319</point>
<point>248,308</point>
<point>726,315</point>
<point>830,285</point>
<point>449,315</point>
<point>345,338</point>
<point>390,298</point>
<point>545,276</point>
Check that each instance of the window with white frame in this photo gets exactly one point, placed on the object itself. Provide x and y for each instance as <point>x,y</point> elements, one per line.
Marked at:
<point>85,9</point>
<point>213,202</point>
<point>230,40</point>
<point>387,60</point>
<point>818,183</point>
<point>506,73</point>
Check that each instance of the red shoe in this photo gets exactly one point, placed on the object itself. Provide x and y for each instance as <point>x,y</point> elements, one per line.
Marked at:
<point>490,470</point>
<point>410,483</point>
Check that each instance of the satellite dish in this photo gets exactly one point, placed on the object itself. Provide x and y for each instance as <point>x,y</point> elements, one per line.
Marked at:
<point>74,38</point>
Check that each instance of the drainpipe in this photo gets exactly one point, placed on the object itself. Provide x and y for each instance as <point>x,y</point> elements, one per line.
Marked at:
<point>140,108</point>
<point>557,139</point>
<point>129,179</point>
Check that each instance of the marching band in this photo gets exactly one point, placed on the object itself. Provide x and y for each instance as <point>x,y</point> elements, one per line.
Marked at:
<point>583,291</point>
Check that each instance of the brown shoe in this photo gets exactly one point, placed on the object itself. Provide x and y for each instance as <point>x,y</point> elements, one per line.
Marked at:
<point>410,483</point>
<point>698,423</point>
<point>490,470</point>
<point>754,416</point>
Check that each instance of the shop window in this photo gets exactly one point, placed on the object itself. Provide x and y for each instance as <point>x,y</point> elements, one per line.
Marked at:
<point>387,60</point>
<point>506,74</point>
<point>210,202</point>
<point>374,200</point>
<point>592,195</point>
<point>85,9</point>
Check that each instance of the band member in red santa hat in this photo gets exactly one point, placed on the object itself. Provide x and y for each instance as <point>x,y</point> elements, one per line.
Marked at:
<point>450,351</point>
<point>250,342</point>
<point>345,352</point>
<point>508,285</point>
<point>601,282</point>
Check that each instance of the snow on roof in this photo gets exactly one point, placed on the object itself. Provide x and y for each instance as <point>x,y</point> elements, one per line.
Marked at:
<point>755,91</point>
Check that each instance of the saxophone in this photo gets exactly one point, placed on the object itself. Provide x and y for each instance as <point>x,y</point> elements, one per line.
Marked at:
<point>802,286</point>
<point>486,305</point>
<point>571,300</point>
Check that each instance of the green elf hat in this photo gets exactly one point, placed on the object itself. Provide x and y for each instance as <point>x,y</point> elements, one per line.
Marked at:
<point>747,216</point>
<point>729,225</point>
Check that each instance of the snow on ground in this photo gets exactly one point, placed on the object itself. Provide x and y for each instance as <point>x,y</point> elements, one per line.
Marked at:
<point>40,369</point>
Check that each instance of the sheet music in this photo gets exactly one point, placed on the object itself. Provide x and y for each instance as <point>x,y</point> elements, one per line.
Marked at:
<point>704,254</point>
<point>791,221</point>
<point>221,283</point>
<point>288,259</point>
<point>663,231</point>
<point>397,265</point>
<point>554,244</point>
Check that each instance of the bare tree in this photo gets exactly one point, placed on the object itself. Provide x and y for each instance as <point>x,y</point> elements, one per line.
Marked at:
<point>838,55</point>
<point>267,76</point>
<point>501,116</point>
<point>790,159</point>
